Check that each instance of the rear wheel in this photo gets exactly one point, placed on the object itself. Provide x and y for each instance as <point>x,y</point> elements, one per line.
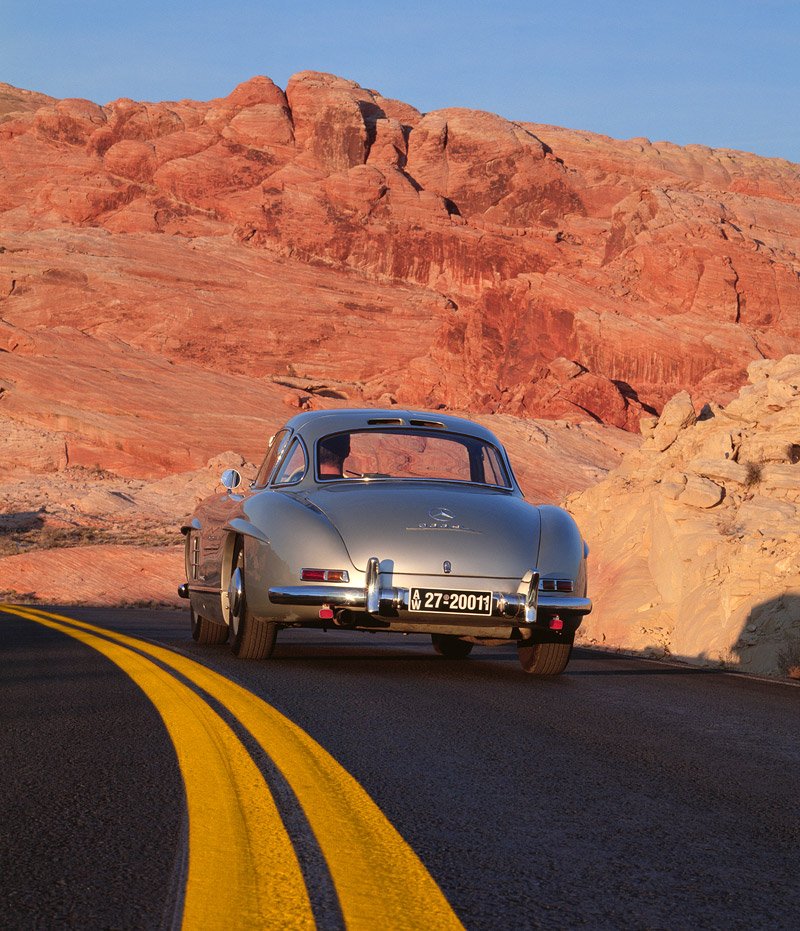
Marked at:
<point>251,637</point>
<point>544,659</point>
<point>205,631</point>
<point>451,647</point>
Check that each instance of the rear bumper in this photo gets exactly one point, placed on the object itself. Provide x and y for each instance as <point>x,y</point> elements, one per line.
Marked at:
<point>519,608</point>
<point>391,600</point>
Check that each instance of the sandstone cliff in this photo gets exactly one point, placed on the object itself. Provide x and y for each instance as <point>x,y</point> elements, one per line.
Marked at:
<point>695,538</point>
<point>447,258</point>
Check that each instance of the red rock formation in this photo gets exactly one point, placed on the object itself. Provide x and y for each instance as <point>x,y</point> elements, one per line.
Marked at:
<point>448,259</point>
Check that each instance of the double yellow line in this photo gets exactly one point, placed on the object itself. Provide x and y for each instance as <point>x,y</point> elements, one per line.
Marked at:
<point>242,868</point>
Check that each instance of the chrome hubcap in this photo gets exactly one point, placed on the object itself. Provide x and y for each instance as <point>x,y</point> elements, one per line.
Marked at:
<point>236,598</point>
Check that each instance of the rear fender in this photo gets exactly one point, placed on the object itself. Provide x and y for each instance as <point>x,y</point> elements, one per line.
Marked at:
<point>284,536</point>
<point>562,551</point>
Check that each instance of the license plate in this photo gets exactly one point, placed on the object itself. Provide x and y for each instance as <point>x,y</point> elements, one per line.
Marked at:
<point>440,601</point>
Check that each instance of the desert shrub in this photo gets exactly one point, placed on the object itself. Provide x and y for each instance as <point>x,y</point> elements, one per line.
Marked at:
<point>12,596</point>
<point>752,473</point>
<point>789,658</point>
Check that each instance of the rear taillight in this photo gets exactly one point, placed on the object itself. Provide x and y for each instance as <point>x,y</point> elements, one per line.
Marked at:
<point>324,575</point>
<point>556,585</point>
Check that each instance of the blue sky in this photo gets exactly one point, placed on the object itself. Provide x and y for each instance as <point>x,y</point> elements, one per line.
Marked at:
<point>718,72</point>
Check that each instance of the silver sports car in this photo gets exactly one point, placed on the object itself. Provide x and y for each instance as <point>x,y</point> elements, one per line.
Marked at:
<point>386,520</point>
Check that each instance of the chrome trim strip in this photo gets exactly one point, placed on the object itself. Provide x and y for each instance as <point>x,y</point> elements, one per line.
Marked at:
<point>429,481</point>
<point>317,595</point>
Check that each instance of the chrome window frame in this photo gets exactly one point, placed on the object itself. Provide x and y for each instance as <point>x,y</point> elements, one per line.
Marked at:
<point>296,440</point>
<point>255,484</point>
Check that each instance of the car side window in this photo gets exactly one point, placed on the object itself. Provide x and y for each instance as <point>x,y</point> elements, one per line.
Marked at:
<point>277,446</point>
<point>493,471</point>
<point>293,467</point>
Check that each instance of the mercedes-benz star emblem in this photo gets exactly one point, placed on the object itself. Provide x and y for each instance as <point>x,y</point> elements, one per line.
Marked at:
<point>441,514</point>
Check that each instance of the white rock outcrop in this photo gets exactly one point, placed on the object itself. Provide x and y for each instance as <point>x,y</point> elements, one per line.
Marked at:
<point>695,538</point>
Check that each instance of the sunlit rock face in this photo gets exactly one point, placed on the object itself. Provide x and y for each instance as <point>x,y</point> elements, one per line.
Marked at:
<point>446,258</point>
<point>695,537</point>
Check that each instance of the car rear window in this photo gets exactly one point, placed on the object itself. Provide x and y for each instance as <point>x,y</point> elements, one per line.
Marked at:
<point>409,454</point>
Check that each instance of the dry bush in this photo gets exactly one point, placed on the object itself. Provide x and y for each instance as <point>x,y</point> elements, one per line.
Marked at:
<point>11,596</point>
<point>752,473</point>
<point>48,537</point>
<point>789,658</point>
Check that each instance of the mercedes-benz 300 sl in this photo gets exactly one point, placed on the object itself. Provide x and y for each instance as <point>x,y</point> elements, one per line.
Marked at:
<point>386,520</point>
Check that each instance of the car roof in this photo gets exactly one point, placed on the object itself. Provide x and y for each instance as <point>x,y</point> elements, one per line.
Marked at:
<point>312,425</point>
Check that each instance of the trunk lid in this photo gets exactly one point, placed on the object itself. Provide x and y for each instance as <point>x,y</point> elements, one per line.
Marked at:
<point>413,528</point>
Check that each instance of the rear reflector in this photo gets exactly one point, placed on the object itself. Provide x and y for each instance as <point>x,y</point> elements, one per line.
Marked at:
<point>325,613</point>
<point>324,575</point>
<point>556,623</point>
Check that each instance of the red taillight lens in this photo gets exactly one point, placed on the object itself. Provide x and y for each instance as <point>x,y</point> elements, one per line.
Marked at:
<point>324,575</point>
<point>564,585</point>
<point>312,575</point>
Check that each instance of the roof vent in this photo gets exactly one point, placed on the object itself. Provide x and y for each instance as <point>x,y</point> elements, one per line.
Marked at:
<point>427,423</point>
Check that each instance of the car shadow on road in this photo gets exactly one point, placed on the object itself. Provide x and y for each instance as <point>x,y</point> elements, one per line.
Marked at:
<point>349,657</point>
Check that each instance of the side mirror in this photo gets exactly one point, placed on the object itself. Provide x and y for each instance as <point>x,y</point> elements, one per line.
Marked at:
<point>231,479</point>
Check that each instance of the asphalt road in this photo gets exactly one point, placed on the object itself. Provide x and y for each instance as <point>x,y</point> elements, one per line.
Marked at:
<point>623,794</point>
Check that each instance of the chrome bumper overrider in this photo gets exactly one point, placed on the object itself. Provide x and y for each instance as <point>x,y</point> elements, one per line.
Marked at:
<point>522,605</point>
